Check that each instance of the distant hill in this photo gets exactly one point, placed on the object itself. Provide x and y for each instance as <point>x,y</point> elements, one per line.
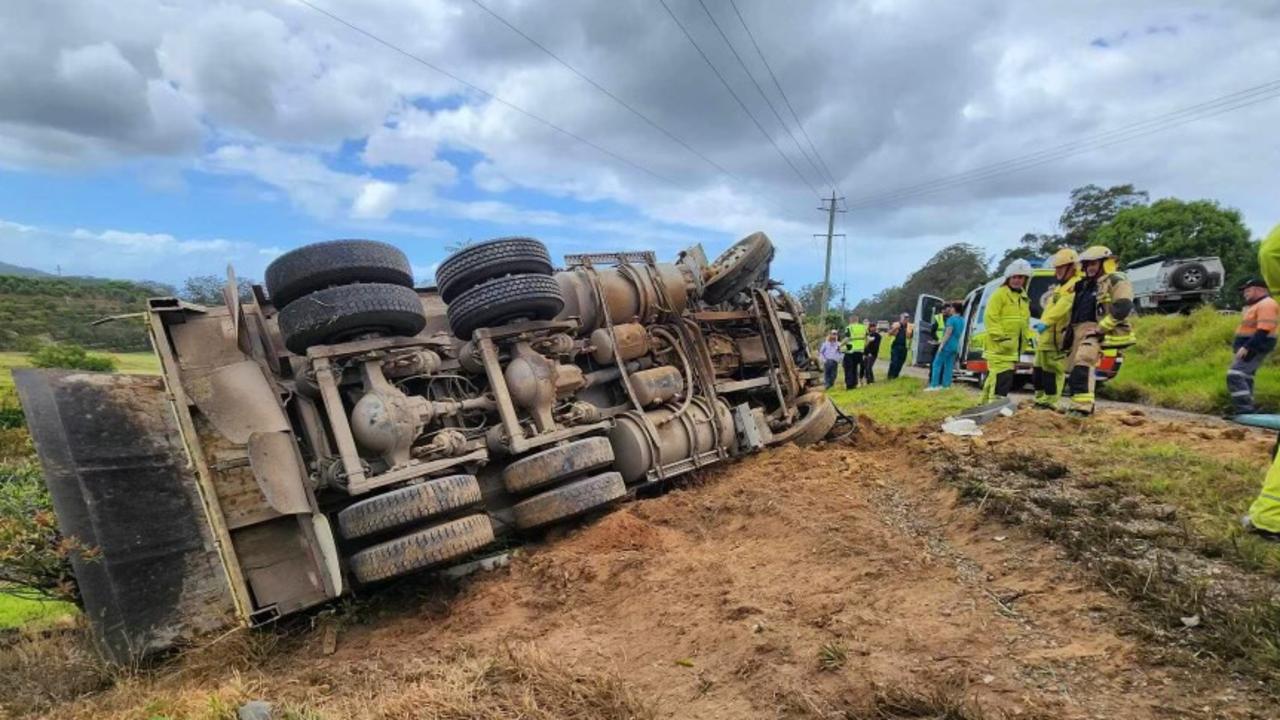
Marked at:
<point>20,271</point>
<point>46,308</point>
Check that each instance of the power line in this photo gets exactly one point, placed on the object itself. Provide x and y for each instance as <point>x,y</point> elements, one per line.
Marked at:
<point>529,114</point>
<point>649,121</point>
<point>786,128</point>
<point>830,178</point>
<point>741,104</point>
<point>1115,136</point>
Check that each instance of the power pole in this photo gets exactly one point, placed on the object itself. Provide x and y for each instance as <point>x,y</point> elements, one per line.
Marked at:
<point>831,211</point>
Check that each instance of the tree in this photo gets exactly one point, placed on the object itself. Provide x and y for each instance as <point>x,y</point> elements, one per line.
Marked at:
<point>1031,246</point>
<point>1179,228</point>
<point>810,297</point>
<point>207,289</point>
<point>1090,208</point>
<point>70,356</point>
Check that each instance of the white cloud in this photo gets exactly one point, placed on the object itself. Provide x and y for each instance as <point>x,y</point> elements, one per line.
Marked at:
<point>892,93</point>
<point>116,253</point>
<point>376,200</point>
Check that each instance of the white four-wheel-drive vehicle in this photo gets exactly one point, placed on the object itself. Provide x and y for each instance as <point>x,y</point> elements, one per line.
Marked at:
<point>1168,284</point>
<point>343,427</point>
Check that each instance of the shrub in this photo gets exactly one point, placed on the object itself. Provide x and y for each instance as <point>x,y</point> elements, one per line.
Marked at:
<point>71,357</point>
<point>34,557</point>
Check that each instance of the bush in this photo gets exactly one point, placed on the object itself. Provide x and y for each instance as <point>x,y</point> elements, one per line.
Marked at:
<point>71,357</point>
<point>1181,362</point>
<point>34,557</point>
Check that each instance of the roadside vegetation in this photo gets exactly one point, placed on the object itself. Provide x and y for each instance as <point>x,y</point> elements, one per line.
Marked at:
<point>900,402</point>
<point>1181,362</point>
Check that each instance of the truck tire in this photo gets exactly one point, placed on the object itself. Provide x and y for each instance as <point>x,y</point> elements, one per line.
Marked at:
<point>1189,276</point>
<point>475,264</point>
<point>737,267</point>
<point>501,300</point>
<point>337,262</point>
<point>818,415</point>
<point>408,505</point>
<point>569,500</point>
<point>337,313</point>
<point>558,463</point>
<point>429,547</point>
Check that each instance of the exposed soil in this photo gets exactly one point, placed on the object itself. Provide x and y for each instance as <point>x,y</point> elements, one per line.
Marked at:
<point>841,581</point>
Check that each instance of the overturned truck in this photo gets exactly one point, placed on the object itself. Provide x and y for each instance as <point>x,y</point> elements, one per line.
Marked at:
<point>339,427</point>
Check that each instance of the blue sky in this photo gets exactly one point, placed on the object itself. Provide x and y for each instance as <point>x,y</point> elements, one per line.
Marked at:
<point>159,139</point>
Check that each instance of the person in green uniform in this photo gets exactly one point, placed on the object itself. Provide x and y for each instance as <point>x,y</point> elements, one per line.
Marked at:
<point>1007,319</point>
<point>855,341</point>
<point>1050,369</point>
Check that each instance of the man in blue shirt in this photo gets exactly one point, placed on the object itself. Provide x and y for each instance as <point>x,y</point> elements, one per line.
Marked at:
<point>944,362</point>
<point>831,357</point>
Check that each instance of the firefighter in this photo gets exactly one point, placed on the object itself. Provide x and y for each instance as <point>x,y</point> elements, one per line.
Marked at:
<point>1100,307</point>
<point>1051,349</point>
<point>1007,318</point>
<point>1264,513</point>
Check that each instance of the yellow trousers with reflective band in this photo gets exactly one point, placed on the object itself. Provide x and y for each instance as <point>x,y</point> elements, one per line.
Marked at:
<point>995,365</point>
<point>1086,349</point>
<point>1052,364</point>
<point>1264,513</point>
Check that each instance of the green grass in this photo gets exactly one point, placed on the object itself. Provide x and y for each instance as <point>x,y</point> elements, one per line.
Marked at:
<point>134,363</point>
<point>901,402</point>
<point>1181,362</point>
<point>17,611</point>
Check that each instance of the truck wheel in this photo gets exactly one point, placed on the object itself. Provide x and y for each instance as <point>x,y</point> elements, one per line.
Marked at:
<point>737,267</point>
<point>499,301</point>
<point>337,262</point>
<point>558,463</point>
<point>1190,276</point>
<point>484,261</point>
<point>420,550</point>
<point>569,500</point>
<point>408,505</point>
<point>338,313</point>
<point>817,416</point>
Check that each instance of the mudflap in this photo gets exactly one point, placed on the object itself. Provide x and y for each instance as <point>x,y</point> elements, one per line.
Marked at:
<point>122,487</point>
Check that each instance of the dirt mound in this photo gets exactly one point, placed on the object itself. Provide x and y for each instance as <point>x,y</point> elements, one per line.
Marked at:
<point>840,581</point>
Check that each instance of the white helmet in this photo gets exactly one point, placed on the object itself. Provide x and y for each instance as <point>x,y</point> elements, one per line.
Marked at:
<point>1017,267</point>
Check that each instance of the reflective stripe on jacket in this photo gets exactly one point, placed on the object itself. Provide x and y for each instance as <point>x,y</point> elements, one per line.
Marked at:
<point>1006,317</point>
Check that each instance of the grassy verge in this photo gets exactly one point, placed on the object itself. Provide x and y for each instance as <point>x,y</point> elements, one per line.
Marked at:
<point>901,402</point>
<point>17,611</point>
<point>1181,362</point>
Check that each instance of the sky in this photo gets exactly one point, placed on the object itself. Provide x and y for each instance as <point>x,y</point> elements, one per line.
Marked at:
<point>163,139</point>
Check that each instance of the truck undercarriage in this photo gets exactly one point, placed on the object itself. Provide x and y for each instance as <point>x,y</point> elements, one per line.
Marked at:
<point>340,428</point>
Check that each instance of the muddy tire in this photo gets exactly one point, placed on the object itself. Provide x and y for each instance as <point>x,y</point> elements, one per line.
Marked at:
<point>338,313</point>
<point>479,263</point>
<point>338,262</point>
<point>569,500</point>
<point>1189,276</point>
<point>499,301</point>
<point>818,415</point>
<point>738,267</point>
<point>558,463</point>
<point>408,505</point>
<point>426,548</point>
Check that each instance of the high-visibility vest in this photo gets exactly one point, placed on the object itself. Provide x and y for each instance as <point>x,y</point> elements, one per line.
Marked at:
<point>937,326</point>
<point>857,338</point>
